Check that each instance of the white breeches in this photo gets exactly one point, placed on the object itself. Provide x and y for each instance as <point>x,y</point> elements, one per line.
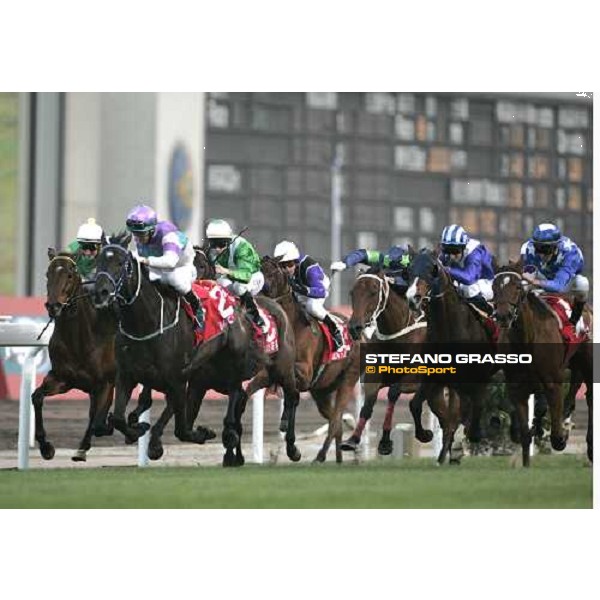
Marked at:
<point>579,287</point>
<point>180,278</point>
<point>239,289</point>
<point>316,306</point>
<point>482,286</point>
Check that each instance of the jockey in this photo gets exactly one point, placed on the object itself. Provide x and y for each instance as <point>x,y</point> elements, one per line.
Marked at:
<point>168,253</point>
<point>394,262</point>
<point>310,283</point>
<point>554,263</point>
<point>86,247</point>
<point>237,265</point>
<point>469,263</point>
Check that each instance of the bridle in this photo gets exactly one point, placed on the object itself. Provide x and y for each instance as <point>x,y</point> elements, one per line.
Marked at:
<point>124,275</point>
<point>71,298</point>
<point>514,306</point>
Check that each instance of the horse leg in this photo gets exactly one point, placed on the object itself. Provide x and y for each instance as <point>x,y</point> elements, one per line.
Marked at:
<point>155,447</point>
<point>366,412</point>
<point>386,446</point>
<point>144,403</point>
<point>230,436</point>
<point>124,388</point>
<point>342,397</point>
<point>448,418</point>
<point>291,400</point>
<point>97,416</point>
<point>519,396</point>
<point>194,398</point>
<point>416,410</point>
<point>51,386</point>
<point>558,434</point>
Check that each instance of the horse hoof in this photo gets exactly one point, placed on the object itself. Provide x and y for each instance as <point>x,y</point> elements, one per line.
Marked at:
<point>230,438</point>
<point>385,448</point>
<point>351,444</point>
<point>47,451</point>
<point>319,459</point>
<point>240,461</point>
<point>454,461</point>
<point>229,459</point>
<point>142,428</point>
<point>424,436</point>
<point>155,451</point>
<point>590,454</point>
<point>79,456</point>
<point>294,454</point>
<point>203,434</point>
<point>558,443</point>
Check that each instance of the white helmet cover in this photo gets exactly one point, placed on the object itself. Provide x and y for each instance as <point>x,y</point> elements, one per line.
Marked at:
<point>90,232</point>
<point>286,251</point>
<point>218,228</point>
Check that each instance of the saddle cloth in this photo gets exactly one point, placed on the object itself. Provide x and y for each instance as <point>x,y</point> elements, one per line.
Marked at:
<point>268,340</point>
<point>330,354</point>
<point>572,336</point>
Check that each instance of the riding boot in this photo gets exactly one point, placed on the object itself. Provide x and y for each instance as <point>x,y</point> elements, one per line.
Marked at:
<point>578,306</point>
<point>252,309</point>
<point>196,305</point>
<point>480,302</point>
<point>336,334</point>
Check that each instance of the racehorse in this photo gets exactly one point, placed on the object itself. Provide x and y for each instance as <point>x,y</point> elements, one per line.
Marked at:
<point>81,353</point>
<point>376,304</point>
<point>218,372</point>
<point>527,324</point>
<point>450,320</point>
<point>332,384</point>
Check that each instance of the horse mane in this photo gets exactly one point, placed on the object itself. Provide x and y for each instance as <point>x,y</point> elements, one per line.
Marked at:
<point>537,304</point>
<point>121,238</point>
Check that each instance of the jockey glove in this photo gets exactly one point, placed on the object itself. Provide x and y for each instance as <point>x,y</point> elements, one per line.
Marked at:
<point>301,289</point>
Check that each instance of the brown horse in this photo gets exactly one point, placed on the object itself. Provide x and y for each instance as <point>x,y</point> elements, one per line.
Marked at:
<point>81,353</point>
<point>376,303</point>
<point>528,325</point>
<point>450,320</point>
<point>331,385</point>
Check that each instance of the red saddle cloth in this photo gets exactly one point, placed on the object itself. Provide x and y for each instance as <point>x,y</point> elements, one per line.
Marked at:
<point>219,309</point>
<point>269,341</point>
<point>492,329</point>
<point>330,354</point>
<point>562,309</point>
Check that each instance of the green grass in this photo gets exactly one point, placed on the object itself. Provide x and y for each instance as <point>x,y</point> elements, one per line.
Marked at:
<point>482,482</point>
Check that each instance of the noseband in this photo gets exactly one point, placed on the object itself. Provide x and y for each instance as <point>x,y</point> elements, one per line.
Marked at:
<point>514,306</point>
<point>124,275</point>
<point>71,298</point>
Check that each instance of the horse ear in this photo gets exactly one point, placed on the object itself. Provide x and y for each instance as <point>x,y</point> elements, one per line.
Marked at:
<point>126,240</point>
<point>51,253</point>
<point>436,251</point>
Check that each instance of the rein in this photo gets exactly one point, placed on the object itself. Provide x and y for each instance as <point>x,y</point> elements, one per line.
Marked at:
<point>117,295</point>
<point>382,302</point>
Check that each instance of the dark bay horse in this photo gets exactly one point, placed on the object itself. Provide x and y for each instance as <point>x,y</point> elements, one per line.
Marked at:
<point>527,325</point>
<point>81,353</point>
<point>376,303</point>
<point>232,357</point>
<point>332,385</point>
<point>450,320</point>
<point>154,339</point>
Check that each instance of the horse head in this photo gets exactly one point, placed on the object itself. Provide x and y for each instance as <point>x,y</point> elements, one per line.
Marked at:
<point>118,274</point>
<point>426,275</point>
<point>369,299</point>
<point>276,281</point>
<point>205,269</point>
<point>509,293</point>
<point>62,282</point>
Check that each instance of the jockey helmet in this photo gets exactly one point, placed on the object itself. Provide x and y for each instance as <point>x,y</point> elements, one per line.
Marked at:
<point>219,229</point>
<point>454,237</point>
<point>90,232</point>
<point>286,251</point>
<point>141,219</point>
<point>546,234</point>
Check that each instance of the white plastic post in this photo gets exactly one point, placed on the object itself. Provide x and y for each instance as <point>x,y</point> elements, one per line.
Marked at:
<point>360,400</point>
<point>144,441</point>
<point>27,384</point>
<point>434,425</point>
<point>258,401</point>
<point>530,407</point>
